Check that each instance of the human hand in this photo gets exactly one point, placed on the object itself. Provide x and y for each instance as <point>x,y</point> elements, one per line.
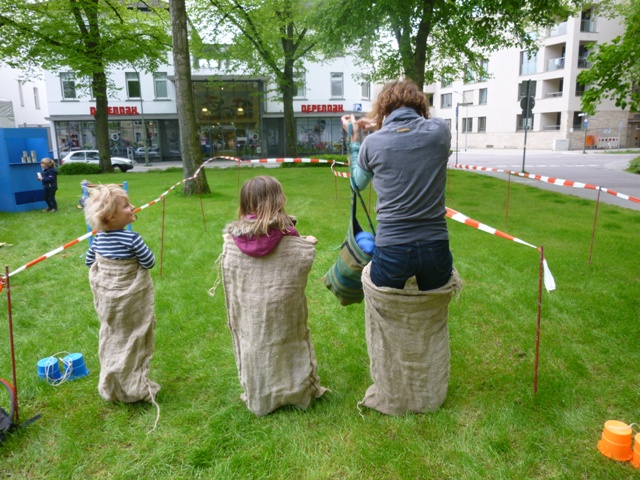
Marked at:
<point>311,239</point>
<point>350,120</point>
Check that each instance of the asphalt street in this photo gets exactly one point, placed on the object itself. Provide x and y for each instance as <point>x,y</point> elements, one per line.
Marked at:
<point>598,168</point>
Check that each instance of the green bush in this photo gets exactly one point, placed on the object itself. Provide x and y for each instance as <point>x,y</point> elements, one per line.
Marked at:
<point>78,169</point>
<point>634,165</point>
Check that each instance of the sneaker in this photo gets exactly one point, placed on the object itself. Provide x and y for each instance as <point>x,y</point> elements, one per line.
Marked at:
<point>53,210</point>
<point>46,209</point>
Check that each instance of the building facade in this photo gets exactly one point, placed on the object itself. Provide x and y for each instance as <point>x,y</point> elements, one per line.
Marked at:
<point>486,111</point>
<point>237,115</point>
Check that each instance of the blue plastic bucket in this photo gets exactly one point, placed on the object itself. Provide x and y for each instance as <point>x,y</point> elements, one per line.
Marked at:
<point>74,366</point>
<point>48,369</point>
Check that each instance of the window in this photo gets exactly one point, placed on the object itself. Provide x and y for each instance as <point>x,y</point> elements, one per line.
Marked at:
<point>337,85</point>
<point>587,20</point>
<point>467,97</point>
<point>448,122</point>
<point>482,97</point>
<point>366,90</point>
<point>578,120</point>
<point>467,125</point>
<point>483,74</point>
<point>583,55</point>
<point>446,82</point>
<point>520,122</point>
<point>580,89</point>
<point>20,93</point>
<point>68,81</point>
<point>133,85</point>
<point>528,61</point>
<point>522,89</point>
<point>445,100</point>
<point>482,124</point>
<point>300,86</point>
<point>429,99</point>
<point>160,84</point>
<point>36,98</point>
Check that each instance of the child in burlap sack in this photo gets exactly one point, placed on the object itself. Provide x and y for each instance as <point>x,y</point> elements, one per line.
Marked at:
<point>265,266</point>
<point>123,296</point>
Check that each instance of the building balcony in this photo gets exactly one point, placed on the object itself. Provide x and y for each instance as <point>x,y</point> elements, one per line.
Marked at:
<point>557,30</point>
<point>555,64</point>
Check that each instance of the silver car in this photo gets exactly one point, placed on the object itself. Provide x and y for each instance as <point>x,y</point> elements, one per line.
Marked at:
<point>92,157</point>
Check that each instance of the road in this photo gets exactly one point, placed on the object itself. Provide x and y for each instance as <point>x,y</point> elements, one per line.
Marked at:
<point>606,170</point>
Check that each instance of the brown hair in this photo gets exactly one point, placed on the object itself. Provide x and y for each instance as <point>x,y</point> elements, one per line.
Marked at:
<point>396,94</point>
<point>47,162</point>
<point>263,197</point>
<point>102,203</point>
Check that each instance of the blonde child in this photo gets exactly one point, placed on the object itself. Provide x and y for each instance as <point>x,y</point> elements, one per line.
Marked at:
<point>49,179</point>
<point>265,267</point>
<point>123,296</point>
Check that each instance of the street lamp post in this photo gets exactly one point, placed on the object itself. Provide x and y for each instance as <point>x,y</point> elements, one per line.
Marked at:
<point>586,123</point>
<point>466,124</point>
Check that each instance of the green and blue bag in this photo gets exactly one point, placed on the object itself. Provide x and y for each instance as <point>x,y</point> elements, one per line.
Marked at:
<point>344,277</point>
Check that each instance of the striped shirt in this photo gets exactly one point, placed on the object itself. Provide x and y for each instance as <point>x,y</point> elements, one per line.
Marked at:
<point>120,245</point>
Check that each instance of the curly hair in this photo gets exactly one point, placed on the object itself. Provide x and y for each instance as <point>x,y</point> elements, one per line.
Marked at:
<point>396,94</point>
<point>102,203</point>
<point>263,197</point>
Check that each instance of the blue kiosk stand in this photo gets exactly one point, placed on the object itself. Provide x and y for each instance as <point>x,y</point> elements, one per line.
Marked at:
<point>21,150</point>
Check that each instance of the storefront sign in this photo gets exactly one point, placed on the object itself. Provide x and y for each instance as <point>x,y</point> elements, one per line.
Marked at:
<point>322,108</point>
<point>117,110</point>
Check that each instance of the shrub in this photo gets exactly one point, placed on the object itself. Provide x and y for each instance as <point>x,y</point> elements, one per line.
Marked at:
<point>78,169</point>
<point>634,165</point>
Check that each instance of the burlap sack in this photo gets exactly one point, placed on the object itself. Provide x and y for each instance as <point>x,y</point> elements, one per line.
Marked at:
<point>267,316</point>
<point>123,297</point>
<point>408,344</point>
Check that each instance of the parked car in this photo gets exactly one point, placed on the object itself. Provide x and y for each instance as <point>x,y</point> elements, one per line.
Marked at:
<point>92,156</point>
<point>153,151</point>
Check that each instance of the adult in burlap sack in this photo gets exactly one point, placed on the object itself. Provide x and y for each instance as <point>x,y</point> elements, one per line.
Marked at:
<point>267,315</point>
<point>123,297</point>
<point>408,344</point>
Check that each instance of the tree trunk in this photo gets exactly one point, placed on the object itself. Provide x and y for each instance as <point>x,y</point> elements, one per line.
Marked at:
<point>189,139</point>
<point>99,84</point>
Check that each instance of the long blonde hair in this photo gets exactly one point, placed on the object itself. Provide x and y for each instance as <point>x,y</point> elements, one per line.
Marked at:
<point>396,94</point>
<point>102,203</point>
<point>263,197</point>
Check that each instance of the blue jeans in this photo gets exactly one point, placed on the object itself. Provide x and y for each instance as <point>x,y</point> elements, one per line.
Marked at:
<point>430,262</point>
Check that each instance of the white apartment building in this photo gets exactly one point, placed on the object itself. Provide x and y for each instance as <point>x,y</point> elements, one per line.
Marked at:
<point>24,101</point>
<point>489,114</point>
<point>237,115</point>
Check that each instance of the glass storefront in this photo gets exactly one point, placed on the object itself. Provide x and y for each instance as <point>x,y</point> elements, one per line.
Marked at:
<point>320,135</point>
<point>228,116</point>
<point>127,138</point>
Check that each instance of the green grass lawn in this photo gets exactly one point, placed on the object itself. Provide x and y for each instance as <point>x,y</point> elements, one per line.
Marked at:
<point>491,425</point>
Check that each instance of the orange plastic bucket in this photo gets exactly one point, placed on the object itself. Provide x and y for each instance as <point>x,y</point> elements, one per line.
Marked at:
<point>635,461</point>
<point>616,441</point>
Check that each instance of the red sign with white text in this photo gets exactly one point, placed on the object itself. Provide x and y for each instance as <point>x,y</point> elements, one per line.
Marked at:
<point>117,110</point>
<point>312,108</point>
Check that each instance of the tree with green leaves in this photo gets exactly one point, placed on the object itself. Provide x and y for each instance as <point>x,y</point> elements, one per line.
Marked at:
<point>87,37</point>
<point>615,65</point>
<point>430,40</point>
<point>189,138</point>
<point>269,38</point>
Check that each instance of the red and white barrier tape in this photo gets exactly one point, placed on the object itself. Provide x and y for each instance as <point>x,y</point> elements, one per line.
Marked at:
<point>340,174</point>
<point>552,180</point>
<point>157,200</point>
<point>549,282</point>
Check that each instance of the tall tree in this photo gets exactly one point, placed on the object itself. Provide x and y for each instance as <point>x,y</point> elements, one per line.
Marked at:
<point>265,37</point>
<point>189,139</point>
<point>429,40</point>
<point>86,37</point>
<point>615,69</point>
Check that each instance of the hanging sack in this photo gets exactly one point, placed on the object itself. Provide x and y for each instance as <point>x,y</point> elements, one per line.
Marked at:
<point>344,277</point>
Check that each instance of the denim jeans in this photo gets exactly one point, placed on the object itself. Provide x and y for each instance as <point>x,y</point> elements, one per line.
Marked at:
<point>430,262</point>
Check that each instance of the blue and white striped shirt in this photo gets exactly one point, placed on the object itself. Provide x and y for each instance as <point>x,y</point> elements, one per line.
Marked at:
<point>120,245</point>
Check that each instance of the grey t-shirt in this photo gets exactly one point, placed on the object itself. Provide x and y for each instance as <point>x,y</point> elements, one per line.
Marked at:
<point>408,158</point>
